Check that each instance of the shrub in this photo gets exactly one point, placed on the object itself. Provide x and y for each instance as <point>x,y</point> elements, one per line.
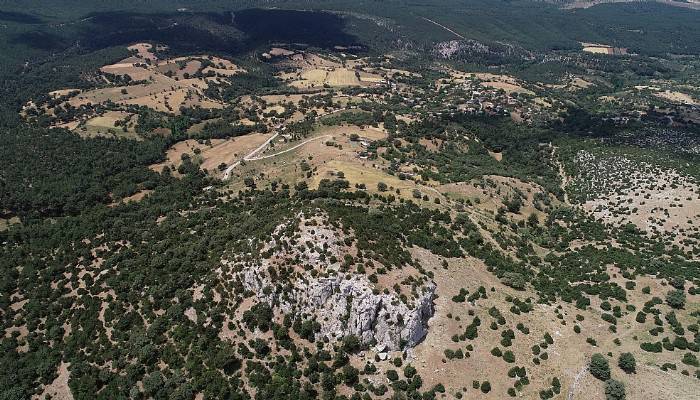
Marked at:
<point>351,344</point>
<point>392,375</point>
<point>599,367</point>
<point>676,298</point>
<point>509,357</point>
<point>641,317</point>
<point>614,390</point>
<point>627,363</point>
<point>485,387</point>
<point>350,375</point>
<point>515,280</point>
<point>651,347</point>
<point>690,359</point>
<point>409,371</point>
<point>548,338</point>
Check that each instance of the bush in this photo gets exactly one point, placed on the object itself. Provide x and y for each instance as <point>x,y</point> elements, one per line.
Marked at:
<point>599,367</point>
<point>509,357</point>
<point>614,390</point>
<point>351,344</point>
<point>485,387</point>
<point>627,363</point>
<point>515,280</point>
<point>651,347</point>
<point>690,359</point>
<point>350,375</point>
<point>548,338</point>
<point>676,298</point>
<point>641,317</point>
<point>409,371</point>
<point>392,375</point>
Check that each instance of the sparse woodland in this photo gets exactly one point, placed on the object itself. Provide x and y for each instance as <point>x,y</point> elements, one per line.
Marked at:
<point>461,219</point>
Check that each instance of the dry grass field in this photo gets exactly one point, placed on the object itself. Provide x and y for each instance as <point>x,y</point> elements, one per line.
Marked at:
<point>5,223</point>
<point>312,71</point>
<point>211,156</point>
<point>568,355</point>
<point>110,123</point>
<point>678,97</point>
<point>164,85</point>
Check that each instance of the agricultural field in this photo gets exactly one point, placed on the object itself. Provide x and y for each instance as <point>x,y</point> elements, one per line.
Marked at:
<point>311,71</point>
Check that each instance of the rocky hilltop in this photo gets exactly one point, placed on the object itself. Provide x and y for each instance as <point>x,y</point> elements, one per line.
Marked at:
<point>342,303</point>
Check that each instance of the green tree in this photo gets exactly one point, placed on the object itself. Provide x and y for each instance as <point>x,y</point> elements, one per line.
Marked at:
<point>350,375</point>
<point>627,363</point>
<point>676,298</point>
<point>600,368</point>
<point>392,375</point>
<point>614,390</point>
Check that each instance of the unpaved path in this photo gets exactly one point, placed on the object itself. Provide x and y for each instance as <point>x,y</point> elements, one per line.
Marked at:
<point>445,28</point>
<point>577,378</point>
<point>562,174</point>
<point>227,171</point>
<point>251,156</point>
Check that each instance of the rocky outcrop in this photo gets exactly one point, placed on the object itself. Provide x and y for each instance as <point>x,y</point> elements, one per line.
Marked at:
<point>471,49</point>
<point>345,303</point>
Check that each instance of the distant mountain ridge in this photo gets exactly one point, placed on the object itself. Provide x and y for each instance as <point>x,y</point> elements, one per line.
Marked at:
<point>692,4</point>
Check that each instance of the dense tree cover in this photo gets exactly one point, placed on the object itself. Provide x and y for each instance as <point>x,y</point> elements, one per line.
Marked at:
<point>524,150</point>
<point>57,172</point>
<point>151,273</point>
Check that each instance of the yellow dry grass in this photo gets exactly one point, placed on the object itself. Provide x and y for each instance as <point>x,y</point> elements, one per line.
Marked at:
<point>226,151</point>
<point>677,97</point>
<point>342,77</point>
<point>277,51</point>
<point>5,223</point>
<point>105,125</point>
<point>508,87</point>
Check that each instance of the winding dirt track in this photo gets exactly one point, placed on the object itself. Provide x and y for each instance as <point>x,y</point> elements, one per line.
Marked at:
<point>251,156</point>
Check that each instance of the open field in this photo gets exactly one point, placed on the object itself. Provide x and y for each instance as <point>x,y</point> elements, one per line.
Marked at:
<point>678,97</point>
<point>568,355</point>
<point>143,80</point>
<point>313,71</point>
<point>220,151</point>
<point>5,223</point>
<point>111,123</point>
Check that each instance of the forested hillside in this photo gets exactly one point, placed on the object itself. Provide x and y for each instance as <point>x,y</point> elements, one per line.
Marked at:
<point>349,200</point>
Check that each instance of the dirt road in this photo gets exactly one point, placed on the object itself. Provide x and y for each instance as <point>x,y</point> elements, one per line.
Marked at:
<point>251,156</point>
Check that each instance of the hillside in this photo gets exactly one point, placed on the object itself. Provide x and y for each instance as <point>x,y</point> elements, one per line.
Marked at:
<point>335,200</point>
